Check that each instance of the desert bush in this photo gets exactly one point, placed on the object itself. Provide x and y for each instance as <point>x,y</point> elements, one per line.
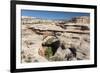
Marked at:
<point>48,52</point>
<point>28,60</point>
<point>36,61</point>
<point>56,58</point>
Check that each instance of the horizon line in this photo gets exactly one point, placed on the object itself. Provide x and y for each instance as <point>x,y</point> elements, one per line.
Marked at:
<point>53,19</point>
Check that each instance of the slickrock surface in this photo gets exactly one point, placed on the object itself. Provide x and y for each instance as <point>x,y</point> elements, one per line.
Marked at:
<point>49,40</point>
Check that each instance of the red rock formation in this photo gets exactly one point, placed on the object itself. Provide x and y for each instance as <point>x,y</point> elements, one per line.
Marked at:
<point>41,51</point>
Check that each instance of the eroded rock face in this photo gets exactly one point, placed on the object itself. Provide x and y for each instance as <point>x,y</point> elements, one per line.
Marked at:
<point>82,20</point>
<point>72,47</point>
<point>41,51</point>
<point>52,42</point>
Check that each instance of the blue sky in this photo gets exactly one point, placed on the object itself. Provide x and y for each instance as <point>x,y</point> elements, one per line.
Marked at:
<point>52,14</point>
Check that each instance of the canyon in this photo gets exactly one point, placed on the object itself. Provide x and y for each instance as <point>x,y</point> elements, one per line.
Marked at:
<point>46,40</point>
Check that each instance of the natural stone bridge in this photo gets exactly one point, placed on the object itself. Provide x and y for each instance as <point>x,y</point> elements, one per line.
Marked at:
<point>40,28</point>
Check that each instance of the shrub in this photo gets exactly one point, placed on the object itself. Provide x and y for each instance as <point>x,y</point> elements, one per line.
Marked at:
<point>48,52</point>
<point>56,58</point>
<point>28,60</point>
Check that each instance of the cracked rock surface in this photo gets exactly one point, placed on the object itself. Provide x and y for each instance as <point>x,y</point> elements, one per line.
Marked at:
<point>47,40</point>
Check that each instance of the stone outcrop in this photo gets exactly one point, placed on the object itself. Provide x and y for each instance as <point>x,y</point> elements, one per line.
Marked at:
<point>49,40</point>
<point>81,19</point>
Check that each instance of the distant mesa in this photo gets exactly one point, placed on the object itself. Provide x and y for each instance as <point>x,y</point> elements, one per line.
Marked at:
<point>80,19</point>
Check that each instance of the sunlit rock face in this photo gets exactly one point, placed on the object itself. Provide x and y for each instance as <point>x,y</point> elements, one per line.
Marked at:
<point>81,19</point>
<point>49,40</point>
